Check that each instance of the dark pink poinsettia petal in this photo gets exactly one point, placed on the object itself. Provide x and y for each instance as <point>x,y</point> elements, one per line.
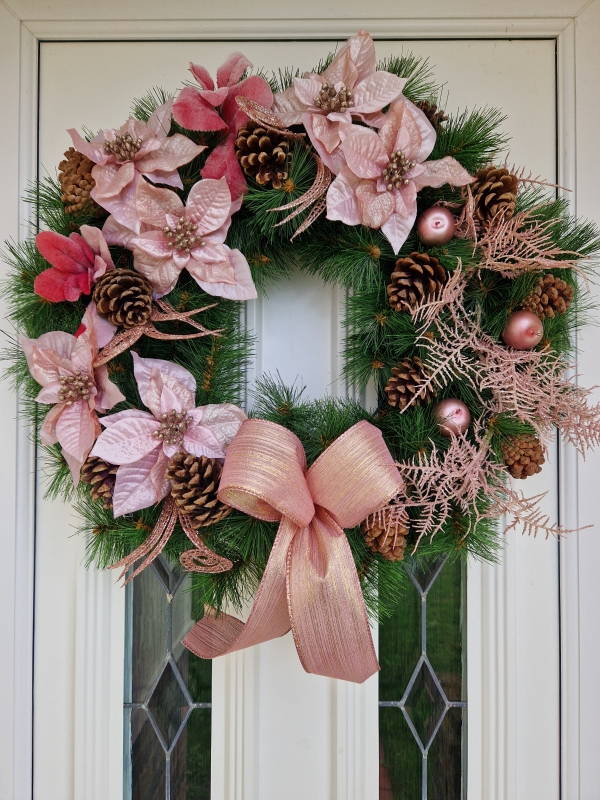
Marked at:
<point>254,88</point>
<point>222,163</point>
<point>202,75</point>
<point>194,113</point>
<point>232,69</point>
<point>68,254</point>
<point>56,286</point>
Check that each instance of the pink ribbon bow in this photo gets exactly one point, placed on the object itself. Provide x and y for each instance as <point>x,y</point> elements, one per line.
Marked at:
<point>310,583</point>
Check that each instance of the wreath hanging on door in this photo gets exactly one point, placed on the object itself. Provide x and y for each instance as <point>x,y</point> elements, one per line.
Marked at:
<point>466,280</point>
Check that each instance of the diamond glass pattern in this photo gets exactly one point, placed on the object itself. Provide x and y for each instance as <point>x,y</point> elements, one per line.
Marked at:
<point>424,704</point>
<point>168,705</point>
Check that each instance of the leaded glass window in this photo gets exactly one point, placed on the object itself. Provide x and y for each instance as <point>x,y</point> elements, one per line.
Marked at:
<point>167,692</point>
<point>422,699</point>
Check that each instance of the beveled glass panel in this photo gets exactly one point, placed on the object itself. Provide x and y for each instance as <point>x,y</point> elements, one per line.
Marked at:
<point>148,764</point>
<point>168,705</point>
<point>426,572</point>
<point>149,635</point>
<point>400,645</point>
<point>399,758</point>
<point>425,704</point>
<point>444,629</point>
<point>190,760</point>
<point>445,779</point>
<point>183,619</point>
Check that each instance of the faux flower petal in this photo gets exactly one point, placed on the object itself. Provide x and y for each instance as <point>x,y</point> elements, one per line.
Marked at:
<point>194,113</point>
<point>175,151</point>
<point>70,254</point>
<point>111,179</point>
<point>334,160</point>
<point>362,52</point>
<point>202,75</point>
<point>48,430</point>
<point>154,244</point>
<point>161,272</point>
<point>142,369</point>
<point>341,69</point>
<point>446,170</point>
<point>376,91</point>
<point>232,69</point>
<point>49,394</point>
<point>242,289</point>
<point>224,420</point>
<point>101,331</point>
<point>201,441</point>
<point>211,264</point>
<point>75,430</point>
<point>134,488</point>
<point>108,393</point>
<point>397,228</point>
<point>215,97</point>
<point>209,204</point>
<point>222,163</point>
<point>307,89</point>
<point>288,106</point>
<point>116,233</point>
<point>49,355</point>
<point>153,204</point>
<point>341,198</point>
<point>93,150</point>
<point>56,286</point>
<point>375,207</point>
<point>364,153</point>
<point>254,88</point>
<point>127,440</point>
<point>94,238</point>
<point>129,413</point>
<point>159,122</point>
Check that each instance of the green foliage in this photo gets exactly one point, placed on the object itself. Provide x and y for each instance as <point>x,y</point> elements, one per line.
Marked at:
<point>472,137</point>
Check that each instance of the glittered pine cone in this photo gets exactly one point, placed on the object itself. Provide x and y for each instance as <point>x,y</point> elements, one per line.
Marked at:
<point>263,154</point>
<point>434,115</point>
<point>415,278</point>
<point>389,543</point>
<point>523,455</point>
<point>124,297</point>
<point>195,483</point>
<point>101,476</point>
<point>405,382</point>
<point>494,193</point>
<point>550,296</point>
<point>76,183</point>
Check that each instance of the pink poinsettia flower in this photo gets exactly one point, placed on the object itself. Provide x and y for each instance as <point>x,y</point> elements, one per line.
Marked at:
<point>142,443</point>
<point>190,237</point>
<point>385,170</point>
<point>77,262</point>
<point>350,88</point>
<point>195,109</point>
<point>137,148</point>
<point>62,364</point>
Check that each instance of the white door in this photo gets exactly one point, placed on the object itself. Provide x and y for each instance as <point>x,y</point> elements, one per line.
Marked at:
<point>277,732</point>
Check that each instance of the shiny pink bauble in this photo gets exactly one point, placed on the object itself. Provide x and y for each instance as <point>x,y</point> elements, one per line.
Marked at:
<point>435,226</point>
<point>452,416</point>
<point>523,330</point>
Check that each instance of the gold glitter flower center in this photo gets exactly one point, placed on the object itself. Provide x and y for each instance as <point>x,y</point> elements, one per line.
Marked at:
<point>330,99</point>
<point>124,147</point>
<point>183,236</point>
<point>74,387</point>
<point>397,167</point>
<point>173,426</point>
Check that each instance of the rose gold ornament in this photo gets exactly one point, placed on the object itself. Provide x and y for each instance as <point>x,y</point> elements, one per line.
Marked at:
<point>452,416</point>
<point>523,330</point>
<point>436,226</point>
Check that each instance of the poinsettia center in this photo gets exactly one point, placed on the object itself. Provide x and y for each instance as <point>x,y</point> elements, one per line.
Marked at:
<point>332,99</point>
<point>183,236</point>
<point>173,426</point>
<point>74,387</point>
<point>397,167</point>
<point>124,146</point>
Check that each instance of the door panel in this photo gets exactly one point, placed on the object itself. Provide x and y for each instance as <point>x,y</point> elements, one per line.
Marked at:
<point>278,732</point>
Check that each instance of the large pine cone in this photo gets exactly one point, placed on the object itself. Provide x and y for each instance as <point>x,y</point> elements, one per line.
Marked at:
<point>263,154</point>
<point>494,193</point>
<point>405,382</point>
<point>195,483</point>
<point>415,278</point>
<point>76,183</point>
<point>550,296</point>
<point>390,544</point>
<point>523,455</point>
<point>434,115</point>
<point>124,297</point>
<point>101,476</point>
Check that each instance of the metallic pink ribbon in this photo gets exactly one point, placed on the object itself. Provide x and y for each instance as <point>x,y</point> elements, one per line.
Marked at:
<point>310,583</point>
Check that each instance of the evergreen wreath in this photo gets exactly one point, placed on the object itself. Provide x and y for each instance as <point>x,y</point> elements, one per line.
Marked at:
<point>466,277</point>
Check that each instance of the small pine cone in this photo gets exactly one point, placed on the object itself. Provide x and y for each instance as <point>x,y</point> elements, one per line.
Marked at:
<point>76,183</point>
<point>263,154</point>
<point>195,483</point>
<point>124,297</point>
<point>523,455</point>
<point>390,543</point>
<point>550,296</point>
<point>494,193</point>
<point>416,277</point>
<point>435,116</point>
<point>101,476</point>
<point>406,379</point>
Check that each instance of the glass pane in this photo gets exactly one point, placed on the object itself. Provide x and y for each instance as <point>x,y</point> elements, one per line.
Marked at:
<point>149,642</point>
<point>168,706</point>
<point>400,645</point>
<point>445,629</point>
<point>191,759</point>
<point>399,758</point>
<point>148,765</point>
<point>425,704</point>
<point>445,759</point>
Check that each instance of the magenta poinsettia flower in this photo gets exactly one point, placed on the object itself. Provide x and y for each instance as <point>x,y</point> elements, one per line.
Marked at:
<point>63,365</point>
<point>196,110</point>
<point>350,88</point>
<point>385,170</point>
<point>123,156</point>
<point>77,262</point>
<point>142,443</point>
<point>190,237</point>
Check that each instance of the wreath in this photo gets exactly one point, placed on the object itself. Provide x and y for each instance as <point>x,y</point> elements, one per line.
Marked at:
<point>466,280</point>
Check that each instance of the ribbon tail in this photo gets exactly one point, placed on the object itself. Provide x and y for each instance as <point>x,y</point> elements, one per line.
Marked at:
<point>201,558</point>
<point>326,606</point>
<point>217,635</point>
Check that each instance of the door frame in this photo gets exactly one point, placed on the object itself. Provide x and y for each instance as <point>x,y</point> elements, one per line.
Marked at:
<point>493,660</point>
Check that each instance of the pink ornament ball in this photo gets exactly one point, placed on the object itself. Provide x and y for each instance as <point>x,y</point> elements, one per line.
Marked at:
<point>436,226</point>
<point>452,416</point>
<point>523,330</point>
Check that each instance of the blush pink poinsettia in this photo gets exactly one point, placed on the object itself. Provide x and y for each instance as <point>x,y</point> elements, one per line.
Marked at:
<point>63,365</point>
<point>196,110</point>
<point>77,262</point>
<point>385,170</point>
<point>350,87</point>
<point>190,237</point>
<point>138,148</point>
<point>142,443</point>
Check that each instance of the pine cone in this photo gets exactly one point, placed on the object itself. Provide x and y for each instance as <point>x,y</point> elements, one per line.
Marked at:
<point>124,297</point>
<point>263,154</point>
<point>101,476</point>
<point>416,277</point>
<point>550,296</point>
<point>406,379</point>
<point>390,544</point>
<point>523,455</point>
<point>195,485</point>
<point>431,112</point>
<point>494,193</point>
<point>76,183</point>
